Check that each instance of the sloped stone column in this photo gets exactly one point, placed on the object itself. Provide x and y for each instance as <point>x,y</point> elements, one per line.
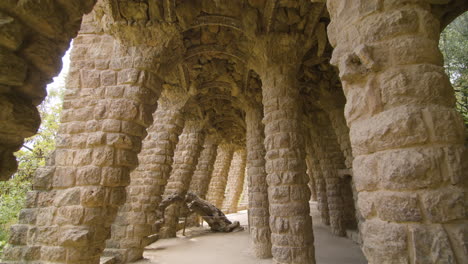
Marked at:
<point>320,185</point>
<point>330,159</point>
<point>107,107</point>
<point>235,182</point>
<point>406,136</point>
<point>33,39</point>
<point>310,173</point>
<point>185,161</point>
<point>258,188</point>
<point>218,182</point>
<point>291,225</point>
<point>134,224</point>
<point>244,198</point>
<point>202,174</point>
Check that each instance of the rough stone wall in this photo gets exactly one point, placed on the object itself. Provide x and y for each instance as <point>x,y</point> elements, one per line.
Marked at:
<point>134,224</point>
<point>33,38</point>
<point>235,182</point>
<point>407,138</point>
<point>259,215</point>
<point>111,94</point>
<point>185,161</point>
<point>219,177</point>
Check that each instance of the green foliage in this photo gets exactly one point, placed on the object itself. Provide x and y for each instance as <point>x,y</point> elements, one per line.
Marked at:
<point>30,157</point>
<point>454,47</point>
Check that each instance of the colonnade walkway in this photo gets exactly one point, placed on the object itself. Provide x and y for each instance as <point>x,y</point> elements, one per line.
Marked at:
<point>201,246</point>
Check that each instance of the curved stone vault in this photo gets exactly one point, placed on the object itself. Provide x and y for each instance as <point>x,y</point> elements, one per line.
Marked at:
<point>274,101</point>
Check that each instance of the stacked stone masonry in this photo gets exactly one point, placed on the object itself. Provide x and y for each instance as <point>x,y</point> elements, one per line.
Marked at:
<point>219,177</point>
<point>134,224</point>
<point>348,99</point>
<point>235,182</point>
<point>185,162</point>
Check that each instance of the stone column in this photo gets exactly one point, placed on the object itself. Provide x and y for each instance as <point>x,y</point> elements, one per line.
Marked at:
<point>106,110</point>
<point>331,159</point>
<point>258,189</point>
<point>290,222</point>
<point>235,181</point>
<point>185,161</point>
<point>134,227</point>
<point>312,185</point>
<point>320,185</point>
<point>218,182</point>
<point>244,198</point>
<point>202,175</point>
<point>406,136</point>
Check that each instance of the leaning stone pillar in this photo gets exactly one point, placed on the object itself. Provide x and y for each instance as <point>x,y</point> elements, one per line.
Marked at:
<point>235,182</point>
<point>185,161</point>
<point>202,174</point>
<point>134,227</point>
<point>312,185</point>
<point>290,222</point>
<point>106,110</point>
<point>218,182</point>
<point>407,138</point>
<point>320,185</point>
<point>258,188</point>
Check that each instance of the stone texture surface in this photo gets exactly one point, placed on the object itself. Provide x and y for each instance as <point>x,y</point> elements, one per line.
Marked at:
<point>219,177</point>
<point>258,195</point>
<point>400,136</point>
<point>235,183</point>
<point>384,116</point>
<point>185,161</point>
<point>134,224</point>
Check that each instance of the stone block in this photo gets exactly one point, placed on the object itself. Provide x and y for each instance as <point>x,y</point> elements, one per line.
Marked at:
<point>28,216</point>
<point>44,16</point>
<point>444,204</point>
<point>430,244</point>
<point>54,254</point>
<point>69,215</point>
<point>18,234</point>
<point>398,207</point>
<point>108,78</point>
<point>44,54</point>
<point>69,196</point>
<point>74,236</point>
<point>11,32</point>
<point>384,242</point>
<point>12,69</point>
<point>394,128</point>
<point>128,76</point>
<point>64,177</point>
<point>43,178</point>
<point>47,234</point>
<point>88,175</point>
<point>93,196</point>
